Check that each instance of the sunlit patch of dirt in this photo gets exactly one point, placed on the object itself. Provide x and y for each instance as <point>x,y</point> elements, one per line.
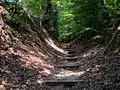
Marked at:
<point>32,59</point>
<point>24,63</point>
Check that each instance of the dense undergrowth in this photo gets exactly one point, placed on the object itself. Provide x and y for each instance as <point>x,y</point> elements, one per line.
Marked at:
<point>86,19</point>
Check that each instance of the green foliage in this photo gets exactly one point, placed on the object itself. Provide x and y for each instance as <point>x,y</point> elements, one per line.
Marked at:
<point>112,6</point>
<point>88,15</point>
<point>72,18</point>
<point>65,18</point>
<point>77,15</point>
<point>33,7</point>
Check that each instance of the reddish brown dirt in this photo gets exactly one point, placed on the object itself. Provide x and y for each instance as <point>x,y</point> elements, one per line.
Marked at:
<point>24,62</point>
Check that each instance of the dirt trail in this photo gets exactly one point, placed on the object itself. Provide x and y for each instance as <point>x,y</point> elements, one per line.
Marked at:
<point>85,70</point>
<point>82,68</point>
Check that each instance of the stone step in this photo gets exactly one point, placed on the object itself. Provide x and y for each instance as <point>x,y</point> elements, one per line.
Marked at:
<point>70,58</point>
<point>71,52</point>
<point>61,82</point>
<point>70,55</point>
<point>68,65</point>
<point>64,74</point>
<point>68,49</point>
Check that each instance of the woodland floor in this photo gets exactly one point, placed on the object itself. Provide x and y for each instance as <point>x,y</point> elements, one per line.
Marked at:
<point>25,69</point>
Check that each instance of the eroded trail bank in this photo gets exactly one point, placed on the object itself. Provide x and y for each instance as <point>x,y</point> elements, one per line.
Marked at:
<point>25,59</point>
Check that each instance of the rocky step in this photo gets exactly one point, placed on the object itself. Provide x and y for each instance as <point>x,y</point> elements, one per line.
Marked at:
<point>70,55</point>
<point>70,58</point>
<point>61,82</point>
<point>63,74</point>
<point>68,65</point>
<point>67,47</point>
<point>73,86</point>
<point>71,52</point>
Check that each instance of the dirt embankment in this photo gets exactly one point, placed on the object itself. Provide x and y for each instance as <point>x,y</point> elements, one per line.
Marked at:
<point>24,58</point>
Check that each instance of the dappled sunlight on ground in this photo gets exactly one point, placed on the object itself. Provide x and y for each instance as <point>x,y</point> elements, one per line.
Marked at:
<point>31,59</point>
<point>66,74</point>
<point>20,67</point>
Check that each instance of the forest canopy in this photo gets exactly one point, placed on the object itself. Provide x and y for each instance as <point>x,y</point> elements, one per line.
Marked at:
<point>70,19</point>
